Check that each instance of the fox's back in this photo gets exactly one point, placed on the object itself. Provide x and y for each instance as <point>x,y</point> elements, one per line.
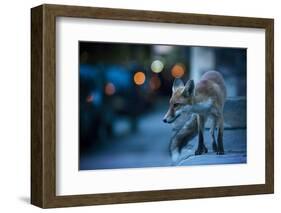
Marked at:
<point>212,85</point>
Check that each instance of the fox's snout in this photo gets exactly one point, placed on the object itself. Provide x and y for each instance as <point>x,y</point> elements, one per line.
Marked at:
<point>171,116</point>
<point>168,116</point>
<point>165,120</point>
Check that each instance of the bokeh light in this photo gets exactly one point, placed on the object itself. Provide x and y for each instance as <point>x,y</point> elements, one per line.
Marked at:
<point>178,70</point>
<point>155,83</point>
<point>157,66</point>
<point>109,89</point>
<point>89,98</point>
<point>139,78</point>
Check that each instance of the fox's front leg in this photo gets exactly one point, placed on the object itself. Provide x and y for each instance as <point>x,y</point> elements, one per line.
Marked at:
<point>201,127</point>
<point>174,150</point>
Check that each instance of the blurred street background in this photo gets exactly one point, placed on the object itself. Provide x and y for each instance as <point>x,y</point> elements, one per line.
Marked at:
<point>124,92</point>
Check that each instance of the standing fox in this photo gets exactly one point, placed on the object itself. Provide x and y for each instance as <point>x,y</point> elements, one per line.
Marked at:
<point>206,100</point>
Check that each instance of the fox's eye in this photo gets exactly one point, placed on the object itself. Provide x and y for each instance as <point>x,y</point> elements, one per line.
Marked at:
<point>176,104</point>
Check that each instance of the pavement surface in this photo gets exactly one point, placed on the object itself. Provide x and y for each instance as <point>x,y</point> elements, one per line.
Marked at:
<point>148,147</point>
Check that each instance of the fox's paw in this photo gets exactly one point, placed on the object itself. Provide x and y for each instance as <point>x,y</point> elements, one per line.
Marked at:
<point>175,156</point>
<point>201,150</point>
<point>220,152</point>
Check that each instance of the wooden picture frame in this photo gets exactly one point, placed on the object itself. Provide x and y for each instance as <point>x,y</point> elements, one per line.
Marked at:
<point>43,105</point>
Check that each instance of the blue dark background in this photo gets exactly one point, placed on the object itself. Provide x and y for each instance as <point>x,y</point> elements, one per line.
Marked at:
<point>124,91</point>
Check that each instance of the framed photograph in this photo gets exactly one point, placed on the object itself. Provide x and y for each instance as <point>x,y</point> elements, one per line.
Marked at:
<point>135,106</point>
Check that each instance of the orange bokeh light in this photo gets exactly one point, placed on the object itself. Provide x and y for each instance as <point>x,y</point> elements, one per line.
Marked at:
<point>178,70</point>
<point>109,89</point>
<point>139,78</point>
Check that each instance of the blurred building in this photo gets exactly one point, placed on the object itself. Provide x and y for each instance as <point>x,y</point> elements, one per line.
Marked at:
<point>231,62</point>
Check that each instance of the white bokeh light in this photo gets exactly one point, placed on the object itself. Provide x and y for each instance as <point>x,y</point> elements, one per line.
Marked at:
<point>157,66</point>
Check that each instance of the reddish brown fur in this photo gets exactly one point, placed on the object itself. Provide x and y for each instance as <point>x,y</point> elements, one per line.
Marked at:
<point>207,100</point>
<point>211,85</point>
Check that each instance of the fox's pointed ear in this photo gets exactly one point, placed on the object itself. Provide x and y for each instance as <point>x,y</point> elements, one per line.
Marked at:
<point>177,84</point>
<point>188,88</point>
